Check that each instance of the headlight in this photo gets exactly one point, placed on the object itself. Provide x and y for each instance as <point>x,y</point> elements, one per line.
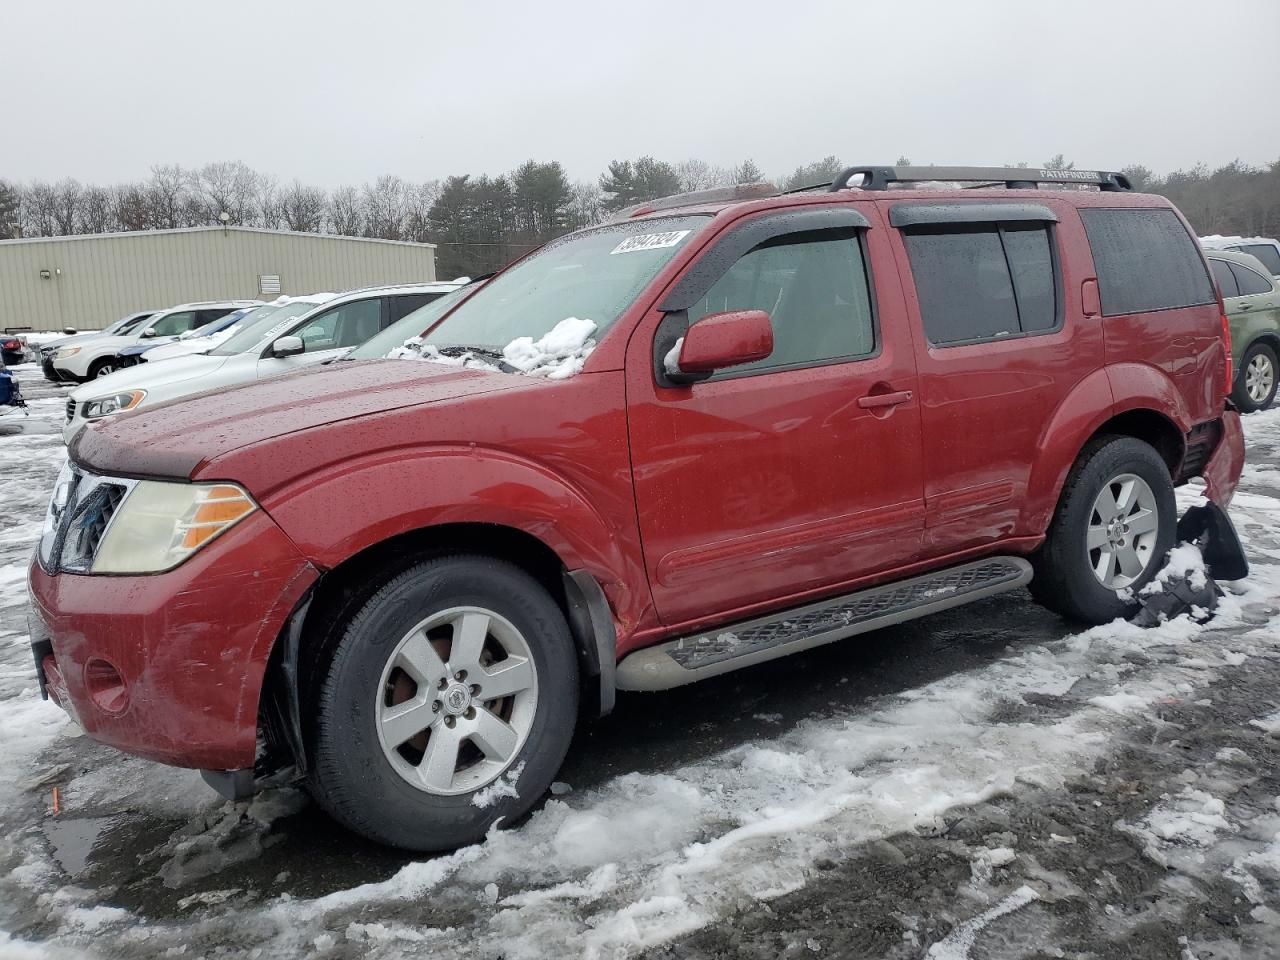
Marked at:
<point>161,524</point>
<point>64,352</point>
<point>115,403</point>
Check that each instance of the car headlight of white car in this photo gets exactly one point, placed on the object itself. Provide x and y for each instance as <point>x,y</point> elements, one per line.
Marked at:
<point>113,403</point>
<point>158,525</point>
<point>64,352</point>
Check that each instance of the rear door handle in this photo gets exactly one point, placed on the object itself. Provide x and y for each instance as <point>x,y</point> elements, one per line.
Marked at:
<point>876,400</point>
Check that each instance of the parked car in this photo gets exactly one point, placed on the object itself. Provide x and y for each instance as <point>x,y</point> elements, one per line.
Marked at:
<point>306,331</point>
<point>96,356</point>
<point>206,338</point>
<point>147,350</point>
<point>717,430</point>
<point>12,349</point>
<point>1266,249</point>
<point>121,327</point>
<point>1252,302</point>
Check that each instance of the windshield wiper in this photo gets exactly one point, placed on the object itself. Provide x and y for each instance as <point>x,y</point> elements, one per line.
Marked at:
<point>458,350</point>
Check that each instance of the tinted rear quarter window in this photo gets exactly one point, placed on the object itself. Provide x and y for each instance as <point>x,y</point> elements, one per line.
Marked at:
<point>1249,282</point>
<point>1145,261</point>
<point>1265,252</point>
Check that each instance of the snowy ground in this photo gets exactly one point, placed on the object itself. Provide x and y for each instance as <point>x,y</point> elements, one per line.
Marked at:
<point>984,783</point>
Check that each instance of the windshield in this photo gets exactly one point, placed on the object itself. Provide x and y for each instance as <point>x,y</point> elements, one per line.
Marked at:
<point>410,325</point>
<point>125,325</point>
<point>593,275</point>
<point>257,324</point>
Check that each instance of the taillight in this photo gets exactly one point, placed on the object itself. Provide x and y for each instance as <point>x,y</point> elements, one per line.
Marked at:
<point>1226,348</point>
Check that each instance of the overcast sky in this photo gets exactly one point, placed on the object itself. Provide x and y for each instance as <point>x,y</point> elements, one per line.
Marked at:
<point>340,92</point>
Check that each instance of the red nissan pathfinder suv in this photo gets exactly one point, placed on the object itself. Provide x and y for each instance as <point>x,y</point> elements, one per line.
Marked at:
<point>796,418</point>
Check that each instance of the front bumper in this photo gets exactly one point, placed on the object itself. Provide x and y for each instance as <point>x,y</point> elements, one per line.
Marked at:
<point>46,367</point>
<point>170,666</point>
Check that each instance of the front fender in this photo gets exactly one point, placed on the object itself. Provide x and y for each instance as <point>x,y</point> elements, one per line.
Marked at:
<point>335,513</point>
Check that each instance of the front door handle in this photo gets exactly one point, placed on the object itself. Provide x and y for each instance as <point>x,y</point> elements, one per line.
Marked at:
<point>875,401</point>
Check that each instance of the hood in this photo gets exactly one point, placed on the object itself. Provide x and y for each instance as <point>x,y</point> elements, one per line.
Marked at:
<point>182,348</point>
<point>71,338</point>
<point>149,375</point>
<point>174,439</point>
<point>111,344</point>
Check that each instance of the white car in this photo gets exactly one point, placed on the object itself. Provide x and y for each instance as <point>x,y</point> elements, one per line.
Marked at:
<point>47,348</point>
<point>1266,249</point>
<point>96,356</point>
<point>306,331</point>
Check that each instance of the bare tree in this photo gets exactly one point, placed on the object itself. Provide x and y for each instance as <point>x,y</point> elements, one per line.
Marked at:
<point>302,207</point>
<point>747,172</point>
<point>37,210</point>
<point>97,211</point>
<point>270,213</point>
<point>418,203</point>
<point>133,207</point>
<point>346,212</point>
<point>227,187</point>
<point>66,203</point>
<point>384,203</point>
<point>168,198</point>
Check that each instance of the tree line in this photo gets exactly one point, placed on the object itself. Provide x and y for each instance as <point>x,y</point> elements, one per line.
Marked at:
<point>481,222</point>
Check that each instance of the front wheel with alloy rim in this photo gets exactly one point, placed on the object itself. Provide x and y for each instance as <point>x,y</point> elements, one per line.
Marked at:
<point>102,368</point>
<point>1256,383</point>
<point>448,705</point>
<point>1116,520</point>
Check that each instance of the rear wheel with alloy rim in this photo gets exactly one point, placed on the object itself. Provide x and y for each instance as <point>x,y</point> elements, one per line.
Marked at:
<point>1256,384</point>
<point>448,705</point>
<point>1115,522</point>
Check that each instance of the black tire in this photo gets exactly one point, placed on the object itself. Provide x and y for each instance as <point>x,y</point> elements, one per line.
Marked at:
<point>353,779</point>
<point>1064,579</point>
<point>1240,394</point>
<point>101,368</point>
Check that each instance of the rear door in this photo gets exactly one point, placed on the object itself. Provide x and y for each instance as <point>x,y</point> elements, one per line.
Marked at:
<point>990,291</point>
<point>797,473</point>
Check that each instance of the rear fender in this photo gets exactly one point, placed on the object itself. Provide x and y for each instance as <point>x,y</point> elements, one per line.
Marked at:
<point>1076,419</point>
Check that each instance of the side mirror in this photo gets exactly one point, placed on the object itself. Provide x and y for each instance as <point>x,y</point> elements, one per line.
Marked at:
<point>721,340</point>
<point>287,347</point>
<point>69,331</point>
<point>148,333</point>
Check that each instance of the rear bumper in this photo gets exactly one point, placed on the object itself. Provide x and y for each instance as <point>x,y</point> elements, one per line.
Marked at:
<point>170,666</point>
<point>1222,471</point>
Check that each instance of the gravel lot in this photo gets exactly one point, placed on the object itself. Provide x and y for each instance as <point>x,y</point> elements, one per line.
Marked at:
<point>985,783</point>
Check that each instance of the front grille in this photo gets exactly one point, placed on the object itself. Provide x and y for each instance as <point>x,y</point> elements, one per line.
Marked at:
<point>71,410</point>
<point>90,523</point>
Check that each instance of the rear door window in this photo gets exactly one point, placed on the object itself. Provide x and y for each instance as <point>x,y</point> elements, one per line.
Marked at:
<point>348,325</point>
<point>1145,260</point>
<point>1226,279</point>
<point>984,281</point>
<point>1249,282</point>
<point>404,305</point>
<point>208,316</point>
<point>1266,252</point>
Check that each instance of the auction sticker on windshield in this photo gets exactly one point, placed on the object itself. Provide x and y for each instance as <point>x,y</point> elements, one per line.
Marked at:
<point>650,241</point>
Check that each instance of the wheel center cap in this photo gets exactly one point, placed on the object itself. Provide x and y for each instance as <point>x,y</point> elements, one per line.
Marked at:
<point>456,699</point>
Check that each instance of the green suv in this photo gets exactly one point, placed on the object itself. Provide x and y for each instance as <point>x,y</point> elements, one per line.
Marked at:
<point>1253,308</point>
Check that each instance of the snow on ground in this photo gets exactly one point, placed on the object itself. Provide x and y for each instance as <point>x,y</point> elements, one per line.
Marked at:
<point>649,852</point>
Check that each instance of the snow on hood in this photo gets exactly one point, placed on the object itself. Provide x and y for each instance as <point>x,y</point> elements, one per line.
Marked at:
<point>556,355</point>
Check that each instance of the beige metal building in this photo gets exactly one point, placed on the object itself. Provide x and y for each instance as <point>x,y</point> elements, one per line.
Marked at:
<point>86,282</point>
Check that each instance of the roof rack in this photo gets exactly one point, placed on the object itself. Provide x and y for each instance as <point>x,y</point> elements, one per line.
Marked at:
<point>738,191</point>
<point>1015,178</point>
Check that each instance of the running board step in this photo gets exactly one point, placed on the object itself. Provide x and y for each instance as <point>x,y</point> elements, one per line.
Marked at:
<point>677,662</point>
